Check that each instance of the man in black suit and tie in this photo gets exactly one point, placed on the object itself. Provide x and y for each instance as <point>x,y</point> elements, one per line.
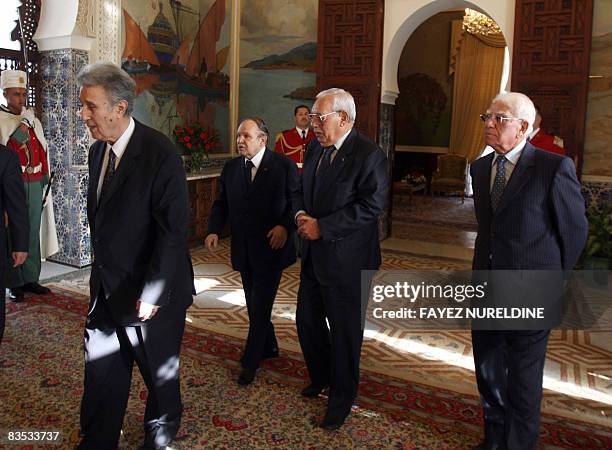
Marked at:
<point>341,196</point>
<point>12,207</point>
<point>530,216</point>
<point>255,196</point>
<point>141,278</point>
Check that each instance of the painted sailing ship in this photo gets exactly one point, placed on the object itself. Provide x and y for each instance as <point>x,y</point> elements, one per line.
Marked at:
<point>198,64</point>
<point>138,55</point>
<point>162,38</point>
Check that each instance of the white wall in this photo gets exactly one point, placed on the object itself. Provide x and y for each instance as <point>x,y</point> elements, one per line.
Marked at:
<point>402,17</point>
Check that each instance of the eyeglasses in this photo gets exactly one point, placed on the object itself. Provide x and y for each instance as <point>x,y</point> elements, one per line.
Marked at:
<point>320,118</point>
<point>498,118</point>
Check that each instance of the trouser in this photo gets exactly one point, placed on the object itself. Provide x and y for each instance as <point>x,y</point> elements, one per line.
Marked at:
<point>509,370</point>
<point>110,352</point>
<point>331,354</point>
<point>29,271</point>
<point>260,289</point>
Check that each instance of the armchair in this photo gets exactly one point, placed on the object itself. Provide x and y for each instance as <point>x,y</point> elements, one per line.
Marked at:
<point>450,175</point>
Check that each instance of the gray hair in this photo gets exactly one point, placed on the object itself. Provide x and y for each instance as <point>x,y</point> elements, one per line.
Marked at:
<point>520,106</point>
<point>261,125</point>
<point>342,101</point>
<point>115,81</point>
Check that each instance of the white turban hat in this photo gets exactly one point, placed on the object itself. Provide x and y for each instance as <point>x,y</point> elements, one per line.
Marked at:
<point>13,79</point>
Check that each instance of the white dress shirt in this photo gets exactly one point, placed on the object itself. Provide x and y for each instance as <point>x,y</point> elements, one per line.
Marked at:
<point>256,160</point>
<point>512,158</point>
<point>118,148</point>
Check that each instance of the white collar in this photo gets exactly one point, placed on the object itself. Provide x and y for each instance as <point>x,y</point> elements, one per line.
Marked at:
<point>514,154</point>
<point>533,133</point>
<point>300,131</point>
<point>256,160</point>
<point>121,144</point>
<point>340,141</point>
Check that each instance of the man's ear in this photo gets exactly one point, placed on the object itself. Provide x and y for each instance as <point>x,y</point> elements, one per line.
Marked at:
<point>121,107</point>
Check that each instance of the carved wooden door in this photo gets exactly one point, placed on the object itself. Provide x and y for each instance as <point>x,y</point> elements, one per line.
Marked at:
<point>349,55</point>
<point>552,45</point>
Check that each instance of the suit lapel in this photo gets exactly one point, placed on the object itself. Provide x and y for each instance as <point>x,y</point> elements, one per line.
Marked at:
<point>262,171</point>
<point>308,176</point>
<point>95,167</point>
<point>126,165</point>
<point>336,165</point>
<point>520,176</point>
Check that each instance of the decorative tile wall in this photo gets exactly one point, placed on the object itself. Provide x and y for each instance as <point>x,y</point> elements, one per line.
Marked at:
<point>385,140</point>
<point>68,140</point>
<point>597,192</point>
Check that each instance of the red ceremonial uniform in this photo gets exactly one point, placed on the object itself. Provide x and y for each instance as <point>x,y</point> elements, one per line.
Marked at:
<point>548,142</point>
<point>32,155</point>
<point>291,144</point>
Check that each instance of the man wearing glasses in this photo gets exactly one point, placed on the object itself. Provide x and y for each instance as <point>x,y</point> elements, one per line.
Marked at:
<point>341,195</point>
<point>531,217</point>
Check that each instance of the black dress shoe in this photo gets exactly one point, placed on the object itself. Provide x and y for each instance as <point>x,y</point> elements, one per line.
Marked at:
<point>487,446</point>
<point>333,423</point>
<point>312,390</point>
<point>16,294</point>
<point>36,288</point>
<point>246,377</point>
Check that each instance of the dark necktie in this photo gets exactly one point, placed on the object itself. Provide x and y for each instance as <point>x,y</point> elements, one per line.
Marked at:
<point>303,135</point>
<point>109,174</point>
<point>500,182</point>
<point>325,161</point>
<point>248,172</point>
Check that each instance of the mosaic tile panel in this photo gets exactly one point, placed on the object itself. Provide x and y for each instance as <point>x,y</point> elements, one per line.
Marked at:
<point>385,140</point>
<point>68,143</point>
<point>597,192</point>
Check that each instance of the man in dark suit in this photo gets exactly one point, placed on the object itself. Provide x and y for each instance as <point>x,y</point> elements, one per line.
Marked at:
<point>341,196</point>
<point>141,278</point>
<point>15,217</point>
<point>530,216</point>
<point>255,195</point>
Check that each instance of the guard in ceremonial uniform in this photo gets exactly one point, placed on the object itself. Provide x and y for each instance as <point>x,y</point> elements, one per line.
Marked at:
<point>292,143</point>
<point>541,139</point>
<point>21,132</point>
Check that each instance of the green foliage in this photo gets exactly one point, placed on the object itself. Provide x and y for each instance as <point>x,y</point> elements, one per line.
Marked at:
<point>599,242</point>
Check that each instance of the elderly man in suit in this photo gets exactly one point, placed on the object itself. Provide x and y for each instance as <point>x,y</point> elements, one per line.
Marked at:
<point>341,196</point>
<point>255,194</point>
<point>530,216</point>
<point>14,217</point>
<point>141,278</point>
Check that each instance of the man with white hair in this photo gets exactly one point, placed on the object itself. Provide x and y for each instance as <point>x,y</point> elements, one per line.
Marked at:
<point>341,195</point>
<point>21,132</point>
<point>530,214</point>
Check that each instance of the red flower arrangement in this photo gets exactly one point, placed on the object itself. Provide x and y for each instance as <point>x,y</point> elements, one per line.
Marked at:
<point>196,141</point>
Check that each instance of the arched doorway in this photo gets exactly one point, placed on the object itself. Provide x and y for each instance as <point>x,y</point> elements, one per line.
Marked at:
<point>448,70</point>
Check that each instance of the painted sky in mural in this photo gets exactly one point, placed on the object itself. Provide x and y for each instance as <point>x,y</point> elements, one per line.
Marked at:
<point>177,51</point>
<point>277,59</point>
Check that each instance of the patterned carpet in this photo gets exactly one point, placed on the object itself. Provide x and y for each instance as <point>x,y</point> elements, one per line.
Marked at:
<point>41,376</point>
<point>436,211</point>
<point>578,367</point>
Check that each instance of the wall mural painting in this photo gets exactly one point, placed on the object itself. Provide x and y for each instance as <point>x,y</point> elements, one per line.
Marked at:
<point>278,55</point>
<point>177,52</point>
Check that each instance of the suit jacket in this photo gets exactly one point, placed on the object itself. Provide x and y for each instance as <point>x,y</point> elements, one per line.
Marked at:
<point>254,210</point>
<point>139,230</point>
<point>540,222</point>
<point>13,202</point>
<point>347,203</point>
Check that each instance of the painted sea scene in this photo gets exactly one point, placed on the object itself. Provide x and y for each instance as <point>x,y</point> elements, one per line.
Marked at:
<point>177,52</point>
<point>278,55</point>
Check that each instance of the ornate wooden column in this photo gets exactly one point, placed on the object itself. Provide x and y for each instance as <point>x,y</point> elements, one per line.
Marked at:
<point>552,45</point>
<point>349,56</point>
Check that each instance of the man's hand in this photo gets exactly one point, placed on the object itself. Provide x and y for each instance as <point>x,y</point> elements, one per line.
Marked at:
<point>28,115</point>
<point>308,227</point>
<point>211,242</point>
<point>278,237</point>
<point>146,311</point>
<point>19,258</point>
